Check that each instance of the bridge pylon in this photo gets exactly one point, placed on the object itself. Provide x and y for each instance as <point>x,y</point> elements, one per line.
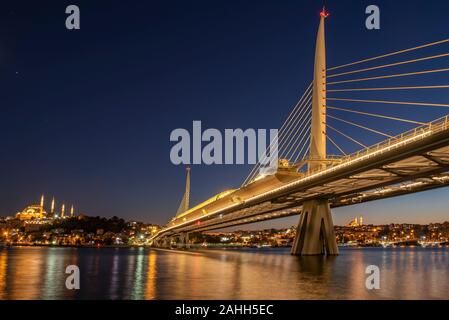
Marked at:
<point>315,232</point>
<point>184,206</point>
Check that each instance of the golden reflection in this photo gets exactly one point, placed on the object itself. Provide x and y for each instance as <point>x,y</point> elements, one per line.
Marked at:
<point>150,286</point>
<point>3,272</point>
<point>182,267</point>
<point>38,273</point>
<point>356,274</point>
<point>26,276</point>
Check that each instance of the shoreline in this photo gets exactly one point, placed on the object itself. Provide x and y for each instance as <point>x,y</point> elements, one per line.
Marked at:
<point>214,247</point>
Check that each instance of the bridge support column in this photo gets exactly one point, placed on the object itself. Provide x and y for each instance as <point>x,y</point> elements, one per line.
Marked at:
<point>170,242</point>
<point>186,241</point>
<point>315,232</point>
<point>183,241</point>
<point>166,243</point>
<point>179,241</point>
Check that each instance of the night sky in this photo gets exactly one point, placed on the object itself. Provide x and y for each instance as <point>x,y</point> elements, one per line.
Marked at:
<point>86,115</point>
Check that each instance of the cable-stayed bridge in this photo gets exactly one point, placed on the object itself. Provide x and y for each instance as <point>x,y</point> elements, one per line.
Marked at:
<point>411,155</point>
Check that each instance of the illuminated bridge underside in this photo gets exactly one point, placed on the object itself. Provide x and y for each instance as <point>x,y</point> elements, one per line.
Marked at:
<point>412,162</point>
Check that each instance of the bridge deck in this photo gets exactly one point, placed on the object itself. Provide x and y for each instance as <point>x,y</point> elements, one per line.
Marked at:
<point>411,162</point>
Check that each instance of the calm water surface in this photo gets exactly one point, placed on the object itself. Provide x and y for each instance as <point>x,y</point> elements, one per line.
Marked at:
<point>139,273</point>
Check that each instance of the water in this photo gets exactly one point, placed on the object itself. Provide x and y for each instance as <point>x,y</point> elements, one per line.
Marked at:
<point>139,273</point>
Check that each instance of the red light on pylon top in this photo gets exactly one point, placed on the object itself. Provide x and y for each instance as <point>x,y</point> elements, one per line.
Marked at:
<point>324,13</point>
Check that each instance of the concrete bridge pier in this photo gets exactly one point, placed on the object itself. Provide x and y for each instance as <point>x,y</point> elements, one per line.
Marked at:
<point>166,242</point>
<point>315,232</point>
<point>183,241</point>
<point>186,241</point>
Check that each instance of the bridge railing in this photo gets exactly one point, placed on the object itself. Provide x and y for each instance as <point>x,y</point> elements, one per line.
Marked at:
<point>417,133</point>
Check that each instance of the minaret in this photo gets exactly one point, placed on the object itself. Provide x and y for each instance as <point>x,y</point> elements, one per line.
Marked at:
<point>72,211</point>
<point>361,220</point>
<point>62,210</point>
<point>42,201</point>
<point>318,127</point>
<point>52,209</point>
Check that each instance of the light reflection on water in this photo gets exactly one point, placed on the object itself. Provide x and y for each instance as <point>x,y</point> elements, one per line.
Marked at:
<point>138,273</point>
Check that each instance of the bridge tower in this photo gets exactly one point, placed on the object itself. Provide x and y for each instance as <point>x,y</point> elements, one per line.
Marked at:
<point>184,206</point>
<point>318,127</point>
<point>315,232</point>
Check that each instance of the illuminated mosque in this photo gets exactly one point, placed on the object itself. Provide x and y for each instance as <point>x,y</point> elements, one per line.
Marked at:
<point>356,223</point>
<point>37,211</point>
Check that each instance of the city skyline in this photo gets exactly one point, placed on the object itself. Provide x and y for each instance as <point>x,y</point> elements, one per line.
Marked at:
<point>284,223</point>
<point>104,141</point>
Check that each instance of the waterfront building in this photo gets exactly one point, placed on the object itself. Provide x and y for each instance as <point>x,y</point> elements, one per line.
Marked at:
<point>34,211</point>
<point>31,212</point>
<point>356,223</point>
<point>35,224</point>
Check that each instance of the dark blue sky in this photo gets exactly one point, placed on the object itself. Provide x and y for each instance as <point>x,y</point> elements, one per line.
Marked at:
<point>86,115</point>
